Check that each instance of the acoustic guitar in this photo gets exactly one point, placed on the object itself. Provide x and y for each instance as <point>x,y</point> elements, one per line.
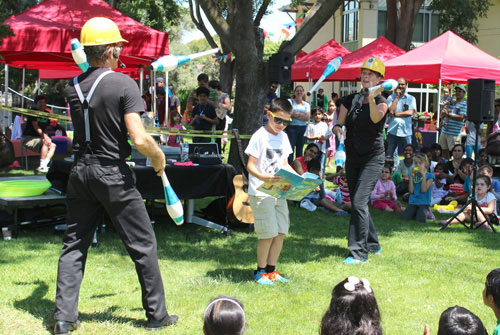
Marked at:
<point>238,207</point>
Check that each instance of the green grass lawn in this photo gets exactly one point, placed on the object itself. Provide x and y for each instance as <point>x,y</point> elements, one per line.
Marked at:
<point>420,272</point>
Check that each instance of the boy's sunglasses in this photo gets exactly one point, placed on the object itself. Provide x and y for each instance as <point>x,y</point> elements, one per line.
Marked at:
<point>279,120</point>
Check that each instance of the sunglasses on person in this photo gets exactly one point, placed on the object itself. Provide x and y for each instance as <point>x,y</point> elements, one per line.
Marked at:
<point>279,120</point>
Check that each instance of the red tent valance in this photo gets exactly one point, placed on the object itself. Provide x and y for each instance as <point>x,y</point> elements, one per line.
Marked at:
<point>447,57</point>
<point>350,69</point>
<point>314,63</point>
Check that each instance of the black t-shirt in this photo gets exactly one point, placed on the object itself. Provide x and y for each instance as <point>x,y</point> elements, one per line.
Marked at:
<point>116,95</point>
<point>29,130</point>
<point>364,138</point>
<point>207,110</point>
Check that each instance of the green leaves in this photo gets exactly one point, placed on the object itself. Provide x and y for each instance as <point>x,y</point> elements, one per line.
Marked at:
<point>461,16</point>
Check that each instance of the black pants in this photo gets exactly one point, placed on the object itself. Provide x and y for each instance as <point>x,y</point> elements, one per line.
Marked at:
<point>361,179</point>
<point>95,186</point>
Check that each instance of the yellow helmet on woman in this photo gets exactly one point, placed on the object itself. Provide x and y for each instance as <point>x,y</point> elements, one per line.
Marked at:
<point>100,31</point>
<point>374,64</point>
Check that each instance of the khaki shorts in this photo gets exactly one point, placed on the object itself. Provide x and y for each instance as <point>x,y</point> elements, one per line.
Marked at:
<point>270,216</point>
<point>448,141</point>
<point>34,143</point>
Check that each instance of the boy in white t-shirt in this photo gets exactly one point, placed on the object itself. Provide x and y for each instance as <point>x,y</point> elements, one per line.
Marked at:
<point>268,152</point>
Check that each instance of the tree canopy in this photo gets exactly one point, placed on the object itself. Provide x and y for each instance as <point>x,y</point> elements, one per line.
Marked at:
<point>460,16</point>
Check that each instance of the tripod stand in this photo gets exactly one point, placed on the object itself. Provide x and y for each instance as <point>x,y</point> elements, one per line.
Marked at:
<point>474,218</point>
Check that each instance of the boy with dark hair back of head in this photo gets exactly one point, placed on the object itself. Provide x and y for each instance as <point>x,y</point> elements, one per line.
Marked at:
<point>491,295</point>
<point>268,152</point>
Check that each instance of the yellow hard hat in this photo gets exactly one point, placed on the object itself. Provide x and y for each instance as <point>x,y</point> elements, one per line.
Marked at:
<point>100,31</point>
<point>374,64</point>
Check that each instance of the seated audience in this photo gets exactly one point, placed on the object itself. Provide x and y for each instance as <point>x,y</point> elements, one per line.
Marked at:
<point>224,315</point>
<point>458,321</point>
<point>353,310</point>
<point>300,163</point>
<point>439,191</point>
<point>318,196</point>
<point>383,196</point>
<point>340,180</point>
<point>457,153</point>
<point>460,191</point>
<point>436,155</point>
<point>35,138</point>
<point>491,295</point>
<point>402,174</point>
<point>482,157</point>
<point>420,188</point>
<point>486,200</point>
<point>495,183</point>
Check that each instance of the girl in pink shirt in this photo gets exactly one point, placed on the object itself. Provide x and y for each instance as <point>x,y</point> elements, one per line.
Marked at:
<point>383,196</point>
<point>174,121</point>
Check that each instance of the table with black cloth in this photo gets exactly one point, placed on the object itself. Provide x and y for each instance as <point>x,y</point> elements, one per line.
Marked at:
<point>188,182</point>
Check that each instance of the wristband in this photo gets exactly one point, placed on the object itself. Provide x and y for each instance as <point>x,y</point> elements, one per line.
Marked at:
<point>338,125</point>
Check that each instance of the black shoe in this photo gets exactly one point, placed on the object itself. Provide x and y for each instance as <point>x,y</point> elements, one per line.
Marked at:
<point>160,324</point>
<point>65,327</point>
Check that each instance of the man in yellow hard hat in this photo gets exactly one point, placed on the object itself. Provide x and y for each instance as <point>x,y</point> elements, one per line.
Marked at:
<point>105,110</point>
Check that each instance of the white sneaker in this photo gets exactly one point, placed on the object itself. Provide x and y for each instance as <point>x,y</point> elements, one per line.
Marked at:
<point>43,169</point>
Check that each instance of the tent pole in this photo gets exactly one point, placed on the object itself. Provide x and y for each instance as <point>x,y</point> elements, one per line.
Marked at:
<point>6,97</point>
<point>438,111</point>
<point>420,104</point>
<point>39,83</point>
<point>22,87</point>
<point>427,98</point>
<point>166,99</point>
<point>141,79</point>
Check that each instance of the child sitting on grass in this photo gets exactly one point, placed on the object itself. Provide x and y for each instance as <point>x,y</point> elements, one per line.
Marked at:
<point>459,191</point>
<point>340,180</point>
<point>420,187</point>
<point>224,315</point>
<point>353,310</point>
<point>317,197</point>
<point>485,199</point>
<point>383,196</point>
<point>458,321</point>
<point>438,190</point>
<point>491,295</point>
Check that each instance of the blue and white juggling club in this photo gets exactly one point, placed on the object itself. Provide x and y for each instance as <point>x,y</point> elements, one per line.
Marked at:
<point>388,85</point>
<point>172,202</point>
<point>340,153</point>
<point>170,62</point>
<point>79,55</point>
<point>332,66</point>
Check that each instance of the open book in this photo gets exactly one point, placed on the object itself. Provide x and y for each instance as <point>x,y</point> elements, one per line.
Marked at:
<point>291,185</point>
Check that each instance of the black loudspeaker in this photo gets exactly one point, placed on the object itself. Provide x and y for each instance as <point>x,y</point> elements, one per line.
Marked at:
<point>280,68</point>
<point>481,100</point>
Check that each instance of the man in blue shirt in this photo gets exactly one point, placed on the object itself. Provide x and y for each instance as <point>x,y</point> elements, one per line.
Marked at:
<point>453,120</point>
<point>401,109</point>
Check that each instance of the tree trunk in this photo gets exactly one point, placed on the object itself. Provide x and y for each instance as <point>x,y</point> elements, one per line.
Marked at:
<point>226,76</point>
<point>401,17</point>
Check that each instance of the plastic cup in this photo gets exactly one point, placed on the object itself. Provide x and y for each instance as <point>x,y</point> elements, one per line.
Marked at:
<point>7,234</point>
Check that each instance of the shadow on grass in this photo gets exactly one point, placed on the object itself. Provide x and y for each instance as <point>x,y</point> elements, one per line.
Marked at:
<point>35,304</point>
<point>233,275</point>
<point>42,308</point>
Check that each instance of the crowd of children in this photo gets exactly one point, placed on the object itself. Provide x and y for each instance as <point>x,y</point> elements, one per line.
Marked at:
<point>421,179</point>
<point>353,309</point>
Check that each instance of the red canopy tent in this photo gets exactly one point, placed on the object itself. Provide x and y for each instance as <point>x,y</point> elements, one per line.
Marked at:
<point>447,58</point>
<point>301,54</point>
<point>43,34</point>
<point>381,48</point>
<point>66,74</point>
<point>314,63</point>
